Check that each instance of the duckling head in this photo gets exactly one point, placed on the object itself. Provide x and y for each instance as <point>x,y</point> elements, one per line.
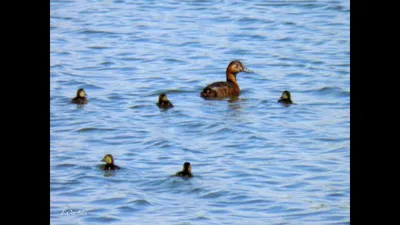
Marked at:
<point>81,93</point>
<point>187,167</point>
<point>108,159</point>
<point>285,95</point>
<point>162,98</point>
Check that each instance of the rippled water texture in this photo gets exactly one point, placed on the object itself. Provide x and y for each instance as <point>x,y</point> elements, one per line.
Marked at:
<point>254,161</point>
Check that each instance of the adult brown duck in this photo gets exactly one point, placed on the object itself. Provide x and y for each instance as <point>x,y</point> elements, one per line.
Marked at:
<point>228,88</point>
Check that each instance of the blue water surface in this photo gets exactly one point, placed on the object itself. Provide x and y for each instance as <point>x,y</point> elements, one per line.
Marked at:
<point>254,161</point>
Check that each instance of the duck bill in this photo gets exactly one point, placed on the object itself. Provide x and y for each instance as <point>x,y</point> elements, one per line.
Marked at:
<point>247,70</point>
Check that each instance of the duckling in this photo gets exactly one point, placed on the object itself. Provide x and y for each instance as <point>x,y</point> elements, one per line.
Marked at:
<point>163,102</point>
<point>80,97</point>
<point>229,87</point>
<point>109,162</point>
<point>186,172</point>
<point>285,98</point>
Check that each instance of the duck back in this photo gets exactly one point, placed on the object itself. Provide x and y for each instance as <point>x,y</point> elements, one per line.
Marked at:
<point>183,174</point>
<point>285,101</point>
<point>220,89</point>
<point>111,167</point>
<point>78,100</point>
<point>165,105</point>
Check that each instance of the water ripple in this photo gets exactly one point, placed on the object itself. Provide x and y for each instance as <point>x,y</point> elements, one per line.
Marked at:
<point>254,161</point>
